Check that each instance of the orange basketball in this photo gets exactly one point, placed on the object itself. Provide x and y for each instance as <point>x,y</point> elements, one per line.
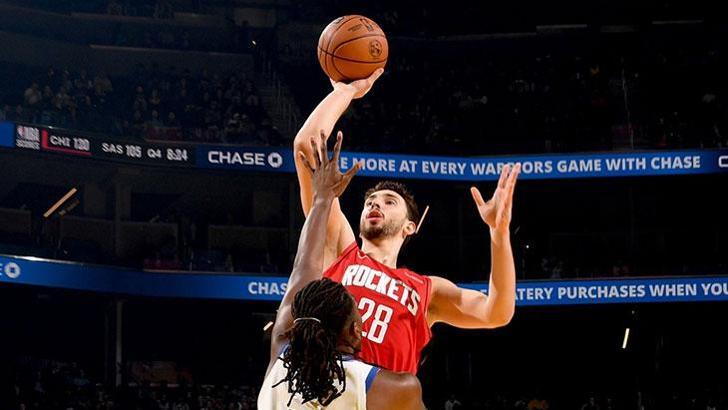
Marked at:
<point>351,48</point>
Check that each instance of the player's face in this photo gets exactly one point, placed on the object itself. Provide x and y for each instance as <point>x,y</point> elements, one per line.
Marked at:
<point>384,215</point>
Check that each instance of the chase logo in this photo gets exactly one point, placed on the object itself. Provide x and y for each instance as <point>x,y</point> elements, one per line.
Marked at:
<point>275,160</point>
<point>267,288</point>
<point>11,270</point>
<point>723,161</point>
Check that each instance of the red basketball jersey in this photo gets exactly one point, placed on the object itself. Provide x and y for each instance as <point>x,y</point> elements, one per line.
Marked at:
<point>393,305</point>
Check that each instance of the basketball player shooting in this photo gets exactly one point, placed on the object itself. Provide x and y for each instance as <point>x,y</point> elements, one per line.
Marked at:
<point>318,326</point>
<point>398,306</point>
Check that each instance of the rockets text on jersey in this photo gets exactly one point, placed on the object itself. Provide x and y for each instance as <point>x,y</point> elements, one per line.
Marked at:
<point>393,305</point>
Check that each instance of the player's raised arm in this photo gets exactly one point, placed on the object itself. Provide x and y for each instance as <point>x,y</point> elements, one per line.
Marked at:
<point>322,121</point>
<point>327,183</point>
<point>471,309</point>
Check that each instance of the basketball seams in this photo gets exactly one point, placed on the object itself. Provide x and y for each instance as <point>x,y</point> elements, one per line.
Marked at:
<point>333,63</point>
<point>351,60</point>
<point>323,62</point>
<point>331,55</point>
<point>357,38</point>
<point>332,34</point>
<point>327,35</point>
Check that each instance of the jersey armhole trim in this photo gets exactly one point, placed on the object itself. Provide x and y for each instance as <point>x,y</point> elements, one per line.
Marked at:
<point>427,307</point>
<point>373,372</point>
<point>353,246</point>
<point>282,350</point>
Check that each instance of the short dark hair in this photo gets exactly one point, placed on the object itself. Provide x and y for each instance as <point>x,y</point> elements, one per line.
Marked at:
<point>413,212</point>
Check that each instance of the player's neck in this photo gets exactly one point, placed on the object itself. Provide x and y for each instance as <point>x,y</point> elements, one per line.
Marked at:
<point>345,349</point>
<point>384,251</point>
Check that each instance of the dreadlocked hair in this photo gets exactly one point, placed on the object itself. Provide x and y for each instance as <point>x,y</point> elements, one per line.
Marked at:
<point>314,365</point>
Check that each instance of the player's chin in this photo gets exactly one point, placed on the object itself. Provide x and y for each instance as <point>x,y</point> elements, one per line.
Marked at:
<point>374,222</point>
<point>371,232</point>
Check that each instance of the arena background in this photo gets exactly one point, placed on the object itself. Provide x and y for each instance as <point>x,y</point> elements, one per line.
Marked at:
<point>164,130</point>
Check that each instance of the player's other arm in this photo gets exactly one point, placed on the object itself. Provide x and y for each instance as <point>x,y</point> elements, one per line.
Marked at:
<point>327,184</point>
<point>471,309</point>
<point>401,391</point>
<point>321,121</point>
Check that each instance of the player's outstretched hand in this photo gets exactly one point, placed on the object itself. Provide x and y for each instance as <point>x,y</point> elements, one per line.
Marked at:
<point>496,212</point>
<point>328,181</point>
<point>359,87</point>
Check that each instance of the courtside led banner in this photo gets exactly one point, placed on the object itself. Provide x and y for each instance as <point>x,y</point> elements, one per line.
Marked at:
<point>36,272</point>
<point>617,164</point>
<point>380,165</point>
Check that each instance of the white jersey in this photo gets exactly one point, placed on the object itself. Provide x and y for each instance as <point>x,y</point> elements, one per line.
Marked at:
<point>359,377</point>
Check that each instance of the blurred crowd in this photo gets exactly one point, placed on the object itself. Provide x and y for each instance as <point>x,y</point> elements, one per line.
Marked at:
<point>207,107</point>
<point>63,98</point>
<point>50,384</point>
<point>154,103</point>
<point>169,254</point>
<point>237,39</point>
<point>158,9</point>
<point>532,94</point>
<point>659,400</point>
<point>538,95</point>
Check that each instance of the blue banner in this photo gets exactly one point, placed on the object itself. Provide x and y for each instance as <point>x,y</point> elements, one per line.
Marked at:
<point>36,272</point>
<point>245,158</point>
<point>633,290</point>
<point>618,164</point>
<point>380,165</point>
<point>7,134</point>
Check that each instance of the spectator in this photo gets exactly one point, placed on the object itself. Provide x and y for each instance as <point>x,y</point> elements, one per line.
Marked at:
<point>558,270</point>
<point>32,95</point>
<point>114,8</point>
<point>154,120</point>
<point>163,10</point>
<point>138,125</point>
<point>452,403</point>
<point>591,404</point>
<point>6,114</point>
<point>172,120</point>
<point>538,404</point>
<point>102,84</point>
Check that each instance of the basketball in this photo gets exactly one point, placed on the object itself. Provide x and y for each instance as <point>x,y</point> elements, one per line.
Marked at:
<point>351,48</point>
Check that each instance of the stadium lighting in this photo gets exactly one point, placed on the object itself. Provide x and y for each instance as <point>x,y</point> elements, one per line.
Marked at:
<point>60,202</point>
<point>676,22</point>
<point>626,338</point>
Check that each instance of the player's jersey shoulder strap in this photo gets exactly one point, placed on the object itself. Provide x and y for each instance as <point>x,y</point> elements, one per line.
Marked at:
<point>419,278</point>
<point>352,248</point>
<point>363,370</point>
<point>373,372</point>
